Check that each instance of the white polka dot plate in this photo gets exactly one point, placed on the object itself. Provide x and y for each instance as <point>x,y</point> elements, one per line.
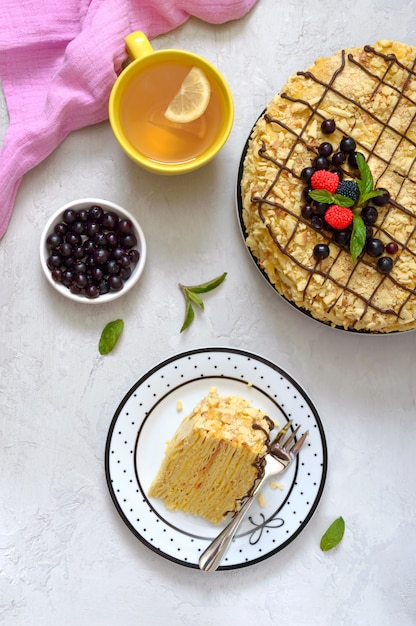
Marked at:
<point>149,415</point>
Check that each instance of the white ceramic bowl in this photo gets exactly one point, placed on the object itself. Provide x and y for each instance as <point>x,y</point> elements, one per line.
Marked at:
<point>86,203</point>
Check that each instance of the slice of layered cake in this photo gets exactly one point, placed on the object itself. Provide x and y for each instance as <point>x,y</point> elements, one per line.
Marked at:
<point>214,459</point>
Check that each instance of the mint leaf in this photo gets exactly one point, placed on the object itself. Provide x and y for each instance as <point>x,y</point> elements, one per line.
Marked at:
<point>109,336</point>
<point>371,194</point>
<point>365,182</point>
<point>341,200</point>
<point>194,298</point>
<point>209,286</point>
<point>358,236</point>
<point>189,316</point>
<point>333,535</point>
<point>322,195</point>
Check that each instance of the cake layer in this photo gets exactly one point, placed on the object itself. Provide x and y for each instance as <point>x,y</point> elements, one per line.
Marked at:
<point>214,458</point>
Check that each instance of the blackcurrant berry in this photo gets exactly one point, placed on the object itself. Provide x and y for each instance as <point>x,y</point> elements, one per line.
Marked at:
<point>347,145</point>
<point>53,240</point>
<point>69,216</point>
<point>374,247</point>
<point>385,264</point>
<point>368,231</point>
<point>338,158</point>
<point>383,199</point>
<point>317,222</point>
<point>125,226</point>
<point>328,127</point>
<point>369,214</point>
<point>306,174</point>
<point>115,282</point>
<point>352,160</point>
<point>92,291</point>
<point>65,249</point>
<point>321,251</point>
<point>78,227</point>
<point>320,163</point>
<point>109,220</point>
<point>342,237</point>
<point>306,191</point>
<point>325,149</point>
<point>320,208</point>
<point>95,213</point>
<point>307,211</point>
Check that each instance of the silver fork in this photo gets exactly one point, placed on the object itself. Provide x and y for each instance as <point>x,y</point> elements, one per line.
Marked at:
<point>280,455</point>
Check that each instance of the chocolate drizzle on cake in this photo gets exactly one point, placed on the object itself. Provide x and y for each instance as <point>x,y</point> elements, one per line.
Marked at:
<point>382,162</point>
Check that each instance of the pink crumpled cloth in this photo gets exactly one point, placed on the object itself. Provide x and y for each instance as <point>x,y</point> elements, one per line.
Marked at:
<point>59,60</point>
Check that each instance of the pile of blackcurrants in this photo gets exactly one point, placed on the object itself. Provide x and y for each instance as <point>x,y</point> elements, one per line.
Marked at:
<point>92,251</point>
<point>314,211</point>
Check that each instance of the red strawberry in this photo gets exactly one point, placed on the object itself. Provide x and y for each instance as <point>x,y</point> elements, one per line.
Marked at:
<point>322,179</point>
<point>338,217</point>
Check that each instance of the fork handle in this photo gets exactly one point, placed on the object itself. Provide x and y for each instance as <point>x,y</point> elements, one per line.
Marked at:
<point>212,556</point>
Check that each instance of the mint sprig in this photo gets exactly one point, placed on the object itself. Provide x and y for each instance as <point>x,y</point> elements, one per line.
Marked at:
<point>358,236</point>
<point>333,535</point>
<point>191,297</point>
<point>366,182</point>
<point>322,195</point>
<point>109,336</point>
<point>366,188</point>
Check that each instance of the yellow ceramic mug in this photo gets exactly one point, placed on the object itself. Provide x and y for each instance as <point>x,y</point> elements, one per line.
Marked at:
<point>140,97</point>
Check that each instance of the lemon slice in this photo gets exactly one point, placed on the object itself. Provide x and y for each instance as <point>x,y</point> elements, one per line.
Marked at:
<point>192,98</point>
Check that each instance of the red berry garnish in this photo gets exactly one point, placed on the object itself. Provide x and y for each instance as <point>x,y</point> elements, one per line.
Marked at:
<point>339,217</point>
<point>392,247</point>
<point>322,179</point>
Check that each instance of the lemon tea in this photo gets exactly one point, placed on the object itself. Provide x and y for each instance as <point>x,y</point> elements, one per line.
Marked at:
<point>145,126</point>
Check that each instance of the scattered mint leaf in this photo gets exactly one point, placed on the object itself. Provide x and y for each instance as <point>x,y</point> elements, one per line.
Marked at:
<point>341,200</point>
<point>191,297</point>
<point>209,286</point>
<point>322,195</point>
<point>109,336</point>
<point>333,535</point>
<point>189,315</point>
<point>358,237</point>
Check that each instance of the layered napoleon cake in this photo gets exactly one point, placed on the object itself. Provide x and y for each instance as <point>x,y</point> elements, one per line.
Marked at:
<point>340,244</point>
<point>214,459</point>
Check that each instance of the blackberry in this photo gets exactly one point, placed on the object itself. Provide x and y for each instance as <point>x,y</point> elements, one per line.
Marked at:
<point>349,189</point>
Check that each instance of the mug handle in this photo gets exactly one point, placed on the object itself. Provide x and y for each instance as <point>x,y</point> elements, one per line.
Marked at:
<point>138,45</point>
